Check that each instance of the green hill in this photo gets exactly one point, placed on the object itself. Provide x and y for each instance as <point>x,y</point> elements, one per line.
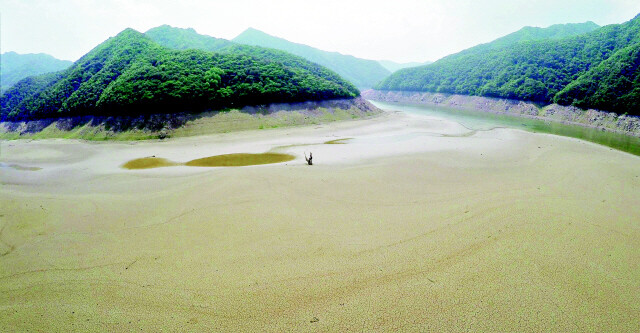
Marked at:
<point>612,85</point>
<point>529,34</point>
<point>183,39</point>
<point>539,70</point>
<point>131,74</point>
<point>363,73</point>
<point>15,67</point>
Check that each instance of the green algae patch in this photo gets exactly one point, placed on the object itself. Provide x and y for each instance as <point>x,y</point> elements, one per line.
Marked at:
<point>226,160</point>
<point>338,141</point>
<point>148,163</point>
<point>240,159</point>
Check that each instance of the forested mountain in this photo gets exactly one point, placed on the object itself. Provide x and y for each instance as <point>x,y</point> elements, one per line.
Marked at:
<point>529,34</point>
<point>177,38</point>
<point>393,66</point>
<point>612,85</point>
<point>131,74</point>
<point>15,67</point>
<point>540,70</point>
<point>182,39</point>
<point>363,73</point>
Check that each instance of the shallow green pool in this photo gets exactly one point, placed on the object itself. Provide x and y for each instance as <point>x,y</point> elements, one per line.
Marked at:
<point>226,160</point>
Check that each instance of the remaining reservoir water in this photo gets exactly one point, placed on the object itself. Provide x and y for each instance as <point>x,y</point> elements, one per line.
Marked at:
<point>240,159</point>
<point>484,121</point>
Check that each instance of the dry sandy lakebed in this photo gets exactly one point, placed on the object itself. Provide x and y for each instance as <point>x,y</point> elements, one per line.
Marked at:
<point>413,223</point>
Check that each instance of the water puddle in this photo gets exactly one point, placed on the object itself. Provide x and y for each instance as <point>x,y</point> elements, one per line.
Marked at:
<point>19,167</point>
<point>226,160</point>
<point>234,160</point>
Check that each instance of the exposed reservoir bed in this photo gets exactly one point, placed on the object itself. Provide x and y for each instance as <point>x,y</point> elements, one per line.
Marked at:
<point>478,120</point>
<point>417,223</point>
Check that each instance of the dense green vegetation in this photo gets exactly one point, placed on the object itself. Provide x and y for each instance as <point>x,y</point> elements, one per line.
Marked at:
<point>363,73</point>
<point>596,69</point>
<point>612,85</point>
<point>131,74</point>
<point>530,34</point>
<point>183,39</point>
<point>15,67</point>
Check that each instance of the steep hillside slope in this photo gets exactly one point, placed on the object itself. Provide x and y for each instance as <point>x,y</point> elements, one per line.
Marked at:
<point>131,74</point>
<point>530,34</point>
<point>536,70</point>
<point>612,85</point>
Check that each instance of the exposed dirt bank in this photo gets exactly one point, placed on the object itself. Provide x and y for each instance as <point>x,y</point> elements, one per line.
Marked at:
<point>160,126</point>
<point>608,121</point>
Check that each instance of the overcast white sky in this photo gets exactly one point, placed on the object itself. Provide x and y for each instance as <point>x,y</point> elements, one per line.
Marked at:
<point>399,30</point>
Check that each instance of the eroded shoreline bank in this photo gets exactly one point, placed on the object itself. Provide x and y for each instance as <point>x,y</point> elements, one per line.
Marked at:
<point>161,126</point>
<point>607,121</point>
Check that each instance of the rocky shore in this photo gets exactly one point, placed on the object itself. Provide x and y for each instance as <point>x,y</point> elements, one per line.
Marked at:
<point>607,121</point>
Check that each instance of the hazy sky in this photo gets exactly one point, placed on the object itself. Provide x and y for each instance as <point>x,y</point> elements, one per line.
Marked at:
<point>399,30</point>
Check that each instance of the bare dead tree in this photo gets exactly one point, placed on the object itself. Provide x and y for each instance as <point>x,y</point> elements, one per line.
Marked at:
<point>308,159</point>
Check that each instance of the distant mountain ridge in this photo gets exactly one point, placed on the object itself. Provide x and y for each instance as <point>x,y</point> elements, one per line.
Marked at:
<point>361,72</point>
<point>182,39</point>
<point>393,66</point>
<point>15,67</point>
<point>592,69</point>
<point>530,34</point>
<point>556,31</point>
<point>130,74</point>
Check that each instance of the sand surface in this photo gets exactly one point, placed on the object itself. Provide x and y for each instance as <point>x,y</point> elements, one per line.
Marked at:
<point>414,224</point>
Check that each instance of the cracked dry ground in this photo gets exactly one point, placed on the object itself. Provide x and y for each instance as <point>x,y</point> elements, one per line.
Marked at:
<point>513,239</point>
